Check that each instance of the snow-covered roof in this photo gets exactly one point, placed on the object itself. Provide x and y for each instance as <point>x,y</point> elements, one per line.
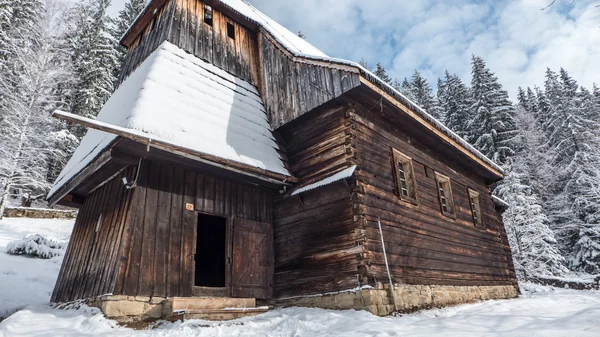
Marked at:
<point>346,173</point>
<point>177,98</point>
<point>499,202</point>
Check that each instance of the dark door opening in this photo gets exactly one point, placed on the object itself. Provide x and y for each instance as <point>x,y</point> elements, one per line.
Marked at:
<point>211,251</point>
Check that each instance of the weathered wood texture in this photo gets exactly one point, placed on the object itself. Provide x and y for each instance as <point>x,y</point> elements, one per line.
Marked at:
<point>181,22</point>
<point>316,247</point>
<point>293,86</point>
<point>90,264</point>
<point>157,253</point>
<point>423,246</point>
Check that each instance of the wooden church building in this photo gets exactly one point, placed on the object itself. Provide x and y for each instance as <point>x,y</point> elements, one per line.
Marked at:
<point>237,163</point>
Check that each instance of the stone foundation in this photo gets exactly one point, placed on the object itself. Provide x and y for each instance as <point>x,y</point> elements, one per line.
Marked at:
<point>379,300</point>
<point>127,309</point>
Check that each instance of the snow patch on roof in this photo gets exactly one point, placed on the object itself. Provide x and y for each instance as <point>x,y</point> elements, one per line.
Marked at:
<point>499,201</point>
<point>347,173</point>
<point>290,40</point>
<point>177,98</point>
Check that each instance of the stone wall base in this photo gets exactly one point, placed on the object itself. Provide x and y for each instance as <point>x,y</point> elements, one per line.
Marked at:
<point>127,309</point>
<point>379,300</point>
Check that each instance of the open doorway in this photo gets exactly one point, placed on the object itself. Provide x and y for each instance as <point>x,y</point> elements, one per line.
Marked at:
<point>211,251</point>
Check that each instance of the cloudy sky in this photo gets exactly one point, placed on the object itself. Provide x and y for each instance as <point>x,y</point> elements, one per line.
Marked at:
<point>515,37</point>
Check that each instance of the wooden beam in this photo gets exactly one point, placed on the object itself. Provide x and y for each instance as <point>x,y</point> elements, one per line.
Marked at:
<point>429,126</point>
<point>137,136</point>
<point>100,161</point>
<point>142,21</point>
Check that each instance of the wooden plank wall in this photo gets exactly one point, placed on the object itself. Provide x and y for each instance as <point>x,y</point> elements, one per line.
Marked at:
<point>181,22</point>
<point>153,35</point>
<point>424,246</point>
<point>156,255</point>
<point>291,88</point>
<point>90,264</point>
<point>315,238</point>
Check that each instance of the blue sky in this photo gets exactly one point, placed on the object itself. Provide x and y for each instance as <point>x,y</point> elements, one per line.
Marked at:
<point>515,37</point>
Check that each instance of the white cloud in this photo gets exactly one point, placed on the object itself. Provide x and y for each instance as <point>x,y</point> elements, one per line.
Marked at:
<point>516,38</point>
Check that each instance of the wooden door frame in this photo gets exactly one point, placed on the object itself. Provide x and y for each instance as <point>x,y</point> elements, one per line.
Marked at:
<point>214,291</point>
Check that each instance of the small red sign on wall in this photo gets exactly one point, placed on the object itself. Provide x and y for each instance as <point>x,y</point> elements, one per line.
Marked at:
<point>189,207</point>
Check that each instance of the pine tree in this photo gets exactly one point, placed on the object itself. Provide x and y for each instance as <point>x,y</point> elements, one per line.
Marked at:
<point>121,25</point>
<point>455,101</point>
<point>493,127</point>
<point>382,73</point>
<point>93,56</point>
<point>535,249</point>
<point>26,143</point>
<point>419,91</point>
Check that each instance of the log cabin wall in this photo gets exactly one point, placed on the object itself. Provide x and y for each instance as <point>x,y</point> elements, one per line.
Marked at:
<point>423,246</point>
<point>182,23</point>
<point>316,243</point>
<point>90,264</point>
<point>293,86</point>
<point>156,253</point>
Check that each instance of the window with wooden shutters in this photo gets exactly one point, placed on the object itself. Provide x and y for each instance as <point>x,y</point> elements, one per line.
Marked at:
<point>475,209</point>
<point>405,177</point>
<point>445,195</point>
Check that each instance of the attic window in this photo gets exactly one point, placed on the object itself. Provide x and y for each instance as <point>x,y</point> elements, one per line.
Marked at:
<point>405,177</point>
<point>445,195</point>
<point>475,209</point>
<point>208,15</point>
<point>230,30</point>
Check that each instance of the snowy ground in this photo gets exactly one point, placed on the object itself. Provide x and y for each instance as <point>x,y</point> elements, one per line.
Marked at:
<point>23,280</point>
<point>541,311</point>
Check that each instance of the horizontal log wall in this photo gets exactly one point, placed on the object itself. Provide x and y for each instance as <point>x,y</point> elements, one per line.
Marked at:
<point>291,88</point>
<point>156,255</point>
<point>423,246</point>
<point>181,22</point>
<point>316,242</point>
<point>90,263</point>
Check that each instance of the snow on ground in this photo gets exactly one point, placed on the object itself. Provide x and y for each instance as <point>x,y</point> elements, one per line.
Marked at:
<point>550,312</point>
<point>24,280</point>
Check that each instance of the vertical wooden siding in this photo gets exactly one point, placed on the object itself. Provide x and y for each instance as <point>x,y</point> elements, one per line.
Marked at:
<point>156,255</point>
<point>181,22</point>
<point>89,266</point>
<point>291,88</point>
<point>316,242</point>
<point>424,246</point>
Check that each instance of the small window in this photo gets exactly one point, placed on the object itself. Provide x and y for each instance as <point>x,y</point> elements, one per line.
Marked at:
<point>445,195</point>
<point>475,209</point>
<point>230,30</point>
<point>405,177</point>
<point>208,15</point>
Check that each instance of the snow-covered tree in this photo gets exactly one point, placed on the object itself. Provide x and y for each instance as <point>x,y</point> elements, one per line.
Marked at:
<point>455,101</point>
<point>382,73</point>
<point>535,249</point>
<point>419,91</point>
<point>122,23</point>
<point>29,96</point>
<point>493,127</point>
<point>93,56</point>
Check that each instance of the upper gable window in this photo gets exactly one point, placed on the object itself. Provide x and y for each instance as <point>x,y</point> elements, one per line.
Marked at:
<point>445,194</point>
<point>208,15</point>
<point>230,30</point>
<point>405,176</point>
<point>475,208</point>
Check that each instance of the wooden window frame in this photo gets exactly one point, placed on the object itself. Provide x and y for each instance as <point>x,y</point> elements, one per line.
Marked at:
<point>231,30</point>
<point>400,158</point>
<point>475,205</point>
<point>445,195</point>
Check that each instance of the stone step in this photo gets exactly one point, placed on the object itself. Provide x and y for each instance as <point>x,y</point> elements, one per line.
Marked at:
<point>216,314</point>
<point>208,303</point>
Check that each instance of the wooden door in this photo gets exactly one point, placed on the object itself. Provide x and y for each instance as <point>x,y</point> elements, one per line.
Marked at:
<point>252,267</point>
